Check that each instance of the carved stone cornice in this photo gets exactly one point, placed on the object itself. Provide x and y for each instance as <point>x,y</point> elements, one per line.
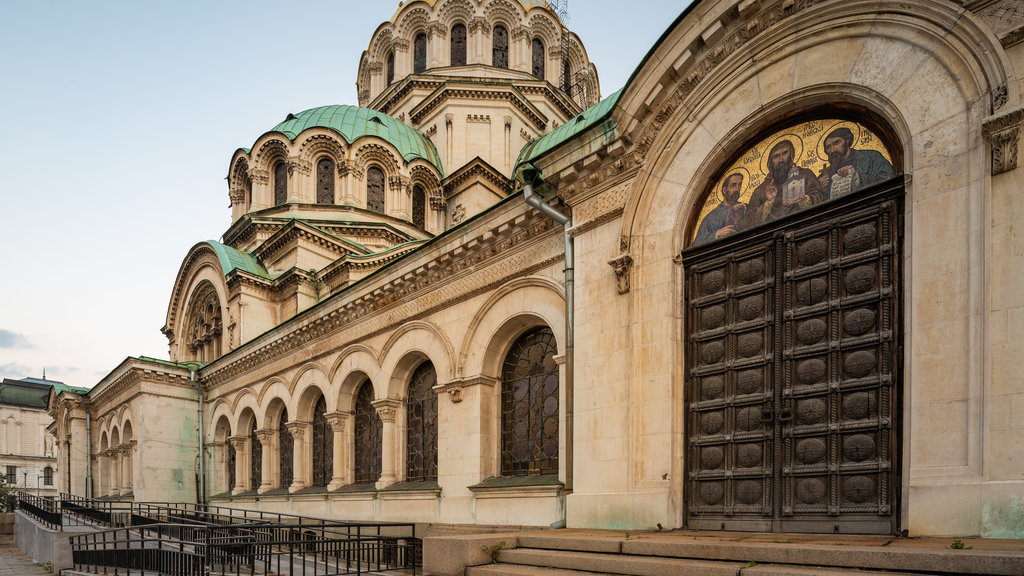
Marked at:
<point>507,93</point>
<point>455,388</point>
<point>387,409</point>
<point>622,265</point>
<point>496,180</point>
<point>1003,134</point>
<point>527,243</point>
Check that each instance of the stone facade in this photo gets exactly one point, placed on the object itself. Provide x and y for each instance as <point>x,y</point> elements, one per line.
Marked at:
<point>26,444</point>
<point>935,78</point>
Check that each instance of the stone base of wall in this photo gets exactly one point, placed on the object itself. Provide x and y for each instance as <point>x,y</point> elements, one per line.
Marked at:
<point>7,528</point>
<point>44,544</point>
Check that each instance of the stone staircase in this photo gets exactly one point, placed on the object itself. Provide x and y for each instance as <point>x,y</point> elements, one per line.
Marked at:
<point>676,554</point>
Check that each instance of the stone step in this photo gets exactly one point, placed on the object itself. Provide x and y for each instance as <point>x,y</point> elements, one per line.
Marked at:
<point>884,558</point>
<point>517,570</point>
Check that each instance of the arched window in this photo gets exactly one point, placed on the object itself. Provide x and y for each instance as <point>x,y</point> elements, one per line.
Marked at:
<point>255,460</point>
<point>280,183</point>
<point>48,476</point>
<point>459,45</point>
<point>375,189</point>
<point>367,437</point>
<point>204,325</point>
<point>419,53</point>
<point>391,68</point>
<point>325,181</point>
<point>323,445</point>
<point>232,459</point>
<point>538,59</point>
<point>419,206</point>
<point>566,77</point>
<point>529,406</point>
<point>421,430</point>
<point>286,448</point>
<point>499,52</point>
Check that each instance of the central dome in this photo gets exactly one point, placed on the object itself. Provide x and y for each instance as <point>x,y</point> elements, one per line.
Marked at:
<point>354,122</point>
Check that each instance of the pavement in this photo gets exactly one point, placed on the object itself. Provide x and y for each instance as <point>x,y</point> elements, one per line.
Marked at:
<point>14,563</point>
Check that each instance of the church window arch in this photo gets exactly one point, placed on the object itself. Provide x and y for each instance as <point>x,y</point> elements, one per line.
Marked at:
<point>280,183</point>
<point>322,445</point>
<point>459,44</point>
<point>419,206</point>
<point>421,425</point>
<point>538,59</point>
<point>47,476</point>
<point>368,433</point>
<point>204,324</point>
<point>419,53</point>
<point>285,451</point>
<point>375,189</point>
<point>529,405</point>
<point>325,181</point>
<point>390,71</point>
<point>499,47</point>
<point>566,77</point>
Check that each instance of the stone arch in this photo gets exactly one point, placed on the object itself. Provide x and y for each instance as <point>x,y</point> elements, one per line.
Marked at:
<point>407,347</point>
<point>375,152</point>
<point>245,398</point>
<point>271,149</point>
<point>413,19</point>
<point>511,310</point>
<point>221,428</point>
<point>451,12</point>
<point>275,387</point>
<point>509,14</point>
<point>239,182</point>
<point>202,264</point>
<point>317,143</point>
<point>545,27</point>
<point>246,421</point>
<point>310,383</point>
<point>202,335</point>
<point>115,436</point>
<point>127,432</point>
<point>220,408</point>
<point>355,363</point>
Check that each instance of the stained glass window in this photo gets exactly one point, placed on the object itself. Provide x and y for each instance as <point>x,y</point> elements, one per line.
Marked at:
<point>325,181</point>
<point>391,68</point>
<point>280,183</point>
<point>529,406</point>
<point>375,189</point>
<point>286,448</point>
<point>323,445</point>
<point>368,436</point>
<point>419,206</point>
<point>255,461</point>
<point>459,45</point>
<point>566,77</point>
<point>500,47</point>
<point>538,59</point>
<point>232,460</point>
<point>421,432</point>
<point>419,53</point>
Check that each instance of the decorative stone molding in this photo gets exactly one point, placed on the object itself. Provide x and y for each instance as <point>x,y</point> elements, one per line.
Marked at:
<point>337,420</point>
<point>265,436</point>
<point>480,25</point>
<point>236,196</point>
<point>259,176</point>
<point>481,118</point>
<point>387,409</point>
<point>449,118</point>
<point>1003,134</point>
<point>455,388</point>
<point>297,429</point>
<point>622,265</point>
<point>238,442</point>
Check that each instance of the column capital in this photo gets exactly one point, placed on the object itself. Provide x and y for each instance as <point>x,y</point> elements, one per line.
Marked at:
<point>337,420</point>
<point>387,409</point>
<point>297,429</point>
<point>238,442</point>
<point>265,436</point>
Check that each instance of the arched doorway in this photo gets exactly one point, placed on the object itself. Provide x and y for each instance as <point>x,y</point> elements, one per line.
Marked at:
<point>793,333</point>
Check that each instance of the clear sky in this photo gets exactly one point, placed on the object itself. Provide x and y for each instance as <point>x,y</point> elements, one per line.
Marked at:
<point>120,118</point>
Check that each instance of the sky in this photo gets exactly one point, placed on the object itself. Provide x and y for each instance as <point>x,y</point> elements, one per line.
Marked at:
<point>120,119</point>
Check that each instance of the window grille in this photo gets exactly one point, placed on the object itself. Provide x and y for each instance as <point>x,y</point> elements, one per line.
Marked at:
<point>419,51</point>
<point>369,429</point>
<point>459,45</point>
<point>538,59</point>
<point>375,189</point>
<point>255,460</point>
<point>499,53</point>
<point>12,475</point>
<point>323,445</point>
<point>286,447</point>
<point>421,430</point>
<point>325,181</point>
<point>280,184</point>
<point>419,206</point>
<point>529,406</point>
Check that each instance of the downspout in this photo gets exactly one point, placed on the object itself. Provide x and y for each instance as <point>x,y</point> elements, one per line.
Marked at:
<point>201,497</point>
<point>88,448</point>
<point>533,177</point>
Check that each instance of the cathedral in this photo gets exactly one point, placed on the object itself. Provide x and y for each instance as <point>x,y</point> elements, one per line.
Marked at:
<point>771,284</point>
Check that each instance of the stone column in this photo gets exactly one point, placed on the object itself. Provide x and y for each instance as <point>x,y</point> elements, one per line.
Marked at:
<point>266,438</point>
<point>115,472</point>
<point>387,410</point>
<point>242,455</point>
<point>219,469</point>
<point>301,454</point>
<point>99,471</point>
<point>339,424</point>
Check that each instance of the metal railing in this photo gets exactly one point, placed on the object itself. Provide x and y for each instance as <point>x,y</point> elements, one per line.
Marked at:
<point>180,539</point>
<point>45,510</point>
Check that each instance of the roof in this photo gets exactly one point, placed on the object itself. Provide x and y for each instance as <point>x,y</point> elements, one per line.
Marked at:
<point>59,388</point>
<point>233,259</point>
<point>354,122</point>
<point>582,122</point>
<point>25,394</point>
<point>526,4</point>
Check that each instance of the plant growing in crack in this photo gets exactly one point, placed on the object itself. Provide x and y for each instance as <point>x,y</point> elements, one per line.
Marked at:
<point>493,551</point>
<point>959,545</point>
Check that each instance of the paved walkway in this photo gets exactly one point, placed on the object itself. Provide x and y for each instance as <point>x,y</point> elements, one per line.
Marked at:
<point>14,563</point>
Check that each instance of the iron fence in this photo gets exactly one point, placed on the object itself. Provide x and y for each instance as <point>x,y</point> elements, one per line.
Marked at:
<point>45,510</point>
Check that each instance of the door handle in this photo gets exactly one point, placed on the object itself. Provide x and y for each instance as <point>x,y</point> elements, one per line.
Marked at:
<point>786,414</point>
<point>768,413</point>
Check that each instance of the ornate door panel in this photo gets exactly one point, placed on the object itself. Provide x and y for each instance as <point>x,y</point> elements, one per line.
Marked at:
<point>792,357</point>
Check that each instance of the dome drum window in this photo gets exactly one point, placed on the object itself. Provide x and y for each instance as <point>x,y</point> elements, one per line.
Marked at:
<point>538,59</point>
<point>391,68</point>
<point>500,47</point>
<point>419,53</point>
<point>459,45</point>
<point>419,206</point>
<point>204,325</point>
<point>325,181</point>
<point>280,184</point>
<point>375,190</point>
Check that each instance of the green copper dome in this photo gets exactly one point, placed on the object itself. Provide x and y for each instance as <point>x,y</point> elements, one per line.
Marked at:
<point>353,122</point>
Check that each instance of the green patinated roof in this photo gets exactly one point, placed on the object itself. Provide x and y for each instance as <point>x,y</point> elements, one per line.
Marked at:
<point>59,388</point>
<point>232,259</point>
<point>16,393</point>
<point>353,123</point>
<point>586,119</point>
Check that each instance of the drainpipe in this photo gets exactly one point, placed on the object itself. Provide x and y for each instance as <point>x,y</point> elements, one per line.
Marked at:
<point>88,449</point>
<point>533,177</point>
<point>201,497</point>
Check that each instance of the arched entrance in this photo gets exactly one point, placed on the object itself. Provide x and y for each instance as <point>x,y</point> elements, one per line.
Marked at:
<point>793,337</point>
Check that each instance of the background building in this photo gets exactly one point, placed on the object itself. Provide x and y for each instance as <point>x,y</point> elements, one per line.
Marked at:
<point>28,452</point>
<point>770,284</point>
